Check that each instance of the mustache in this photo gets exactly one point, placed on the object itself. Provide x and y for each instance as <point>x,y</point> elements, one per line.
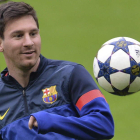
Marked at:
<point>28,50</point>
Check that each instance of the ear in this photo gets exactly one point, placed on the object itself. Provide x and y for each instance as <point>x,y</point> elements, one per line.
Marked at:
<point>1,45</point>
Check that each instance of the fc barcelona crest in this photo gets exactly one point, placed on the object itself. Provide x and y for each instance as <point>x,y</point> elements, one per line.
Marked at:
<point>49,94</point>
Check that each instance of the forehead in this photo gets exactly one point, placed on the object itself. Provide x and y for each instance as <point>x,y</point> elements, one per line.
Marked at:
<point>23,23</point>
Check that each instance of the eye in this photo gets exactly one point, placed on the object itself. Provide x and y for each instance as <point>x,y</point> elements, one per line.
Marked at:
<point>18,36</point>
<point>33,34</point>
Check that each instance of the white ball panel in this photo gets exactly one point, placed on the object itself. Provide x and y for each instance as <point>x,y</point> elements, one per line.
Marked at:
<point>120,60</point>
<point>95,67</point>
<point>132,40</point>
<point>135,85</point>
<point>120,80</point>
<point>134,51</point>
<point>105,84</point>
<point>112,40</point>
<point>105,52</point>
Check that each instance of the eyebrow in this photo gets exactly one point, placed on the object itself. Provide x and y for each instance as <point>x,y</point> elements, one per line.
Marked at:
<point>20,31</point>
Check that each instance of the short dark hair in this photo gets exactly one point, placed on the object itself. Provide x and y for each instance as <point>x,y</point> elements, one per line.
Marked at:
<point>12,10</point>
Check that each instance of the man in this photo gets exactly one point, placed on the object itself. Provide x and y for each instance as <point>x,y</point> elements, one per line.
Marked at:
<point>43,99</point>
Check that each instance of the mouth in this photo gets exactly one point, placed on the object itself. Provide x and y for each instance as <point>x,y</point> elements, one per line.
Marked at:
<point>28,53</point>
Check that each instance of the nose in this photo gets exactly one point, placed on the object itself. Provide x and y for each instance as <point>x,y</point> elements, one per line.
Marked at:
<point>27,41</point>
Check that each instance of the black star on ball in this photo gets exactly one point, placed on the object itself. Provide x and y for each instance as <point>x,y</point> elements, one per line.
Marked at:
<point>106,70</point>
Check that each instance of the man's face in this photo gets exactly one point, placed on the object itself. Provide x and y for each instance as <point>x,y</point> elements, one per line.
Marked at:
<point>21,44</point>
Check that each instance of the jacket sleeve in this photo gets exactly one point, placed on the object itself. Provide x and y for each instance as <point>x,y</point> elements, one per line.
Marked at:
<point>95,120</point>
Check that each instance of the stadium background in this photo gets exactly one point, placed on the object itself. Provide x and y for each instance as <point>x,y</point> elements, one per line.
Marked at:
<point>74,30</point>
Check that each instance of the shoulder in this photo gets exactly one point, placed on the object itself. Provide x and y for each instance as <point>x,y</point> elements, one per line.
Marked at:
<point>52,62</point>
<point>70,66</point>
<point>62,66</point>
<point>61,62</point>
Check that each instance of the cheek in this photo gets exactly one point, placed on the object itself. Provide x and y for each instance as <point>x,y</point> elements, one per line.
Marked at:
<point>38,43</point>
<point>6,48</point>
<point>10,48</point>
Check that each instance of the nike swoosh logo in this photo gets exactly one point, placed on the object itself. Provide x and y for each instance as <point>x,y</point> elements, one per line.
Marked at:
<point>2,117</point>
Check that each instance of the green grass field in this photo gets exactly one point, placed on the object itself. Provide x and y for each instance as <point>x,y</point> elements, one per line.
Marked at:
<point>74,30</point>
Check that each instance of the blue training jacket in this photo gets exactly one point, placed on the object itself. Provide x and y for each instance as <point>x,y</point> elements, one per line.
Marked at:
<point>63,98</point>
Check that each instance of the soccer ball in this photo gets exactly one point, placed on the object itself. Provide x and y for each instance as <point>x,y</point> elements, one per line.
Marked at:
<point>117,66</point>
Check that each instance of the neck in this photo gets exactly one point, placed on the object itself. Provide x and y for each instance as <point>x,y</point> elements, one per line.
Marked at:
<point>23,76</point>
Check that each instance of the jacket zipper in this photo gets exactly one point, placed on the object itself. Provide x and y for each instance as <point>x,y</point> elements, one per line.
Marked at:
<point>25,101</point>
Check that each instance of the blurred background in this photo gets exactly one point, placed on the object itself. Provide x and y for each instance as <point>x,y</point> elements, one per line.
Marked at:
<point>74,30</point>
